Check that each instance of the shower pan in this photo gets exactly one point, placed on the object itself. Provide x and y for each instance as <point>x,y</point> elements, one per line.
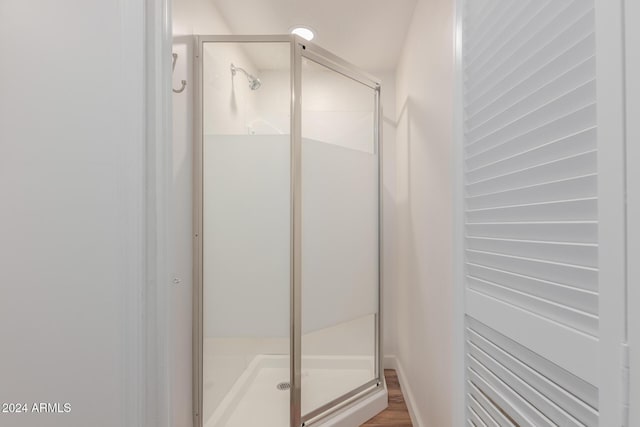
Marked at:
<point>287,219</point>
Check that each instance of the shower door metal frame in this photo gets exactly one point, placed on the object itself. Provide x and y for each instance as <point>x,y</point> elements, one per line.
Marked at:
<point>304,49</point>
<point>299,48</point>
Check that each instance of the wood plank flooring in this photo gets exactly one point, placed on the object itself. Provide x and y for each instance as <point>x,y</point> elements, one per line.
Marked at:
<point>397,414</point>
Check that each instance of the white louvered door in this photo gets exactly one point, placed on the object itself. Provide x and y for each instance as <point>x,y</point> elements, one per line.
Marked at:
<point>531,213</point>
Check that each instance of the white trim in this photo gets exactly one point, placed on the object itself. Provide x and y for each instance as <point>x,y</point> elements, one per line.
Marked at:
<point>392,362</point>
<point>459,399</point>
<point>611,210</point>
<point>632,39</point>
<point>131,178</point>
<point>157,74</point>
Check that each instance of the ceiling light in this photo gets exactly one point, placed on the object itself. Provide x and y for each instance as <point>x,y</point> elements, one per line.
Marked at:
<point>304,32</point>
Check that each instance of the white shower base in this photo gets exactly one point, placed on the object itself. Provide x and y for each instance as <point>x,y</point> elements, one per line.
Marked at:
<point>255,399</point>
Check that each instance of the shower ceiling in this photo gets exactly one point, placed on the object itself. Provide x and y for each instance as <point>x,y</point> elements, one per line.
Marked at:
<point>369,33</point>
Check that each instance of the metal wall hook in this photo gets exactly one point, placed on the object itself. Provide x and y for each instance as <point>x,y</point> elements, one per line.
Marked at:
<point>173,68</point>
<point>184,85</point>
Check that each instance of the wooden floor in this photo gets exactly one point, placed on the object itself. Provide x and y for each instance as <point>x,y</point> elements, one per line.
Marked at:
<point>397,414</point>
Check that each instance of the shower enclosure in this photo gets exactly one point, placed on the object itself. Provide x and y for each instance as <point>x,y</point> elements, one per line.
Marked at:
<point>287,320</point>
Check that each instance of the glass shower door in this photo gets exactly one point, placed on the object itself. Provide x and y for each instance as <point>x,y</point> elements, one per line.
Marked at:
<point>245,205</point>
<point>339,236</point>
<point>286,241</point>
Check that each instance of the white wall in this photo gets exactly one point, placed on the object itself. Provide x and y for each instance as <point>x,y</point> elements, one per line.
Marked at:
<point>197,17</point>
<point>424,288</point>
<point>71,221</point>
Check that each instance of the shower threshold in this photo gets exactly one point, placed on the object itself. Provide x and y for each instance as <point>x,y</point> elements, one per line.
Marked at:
<point>261,397</point>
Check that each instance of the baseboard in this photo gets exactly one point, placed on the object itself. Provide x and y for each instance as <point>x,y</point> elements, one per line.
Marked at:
<point>389,362</point>
<point>392,362</point>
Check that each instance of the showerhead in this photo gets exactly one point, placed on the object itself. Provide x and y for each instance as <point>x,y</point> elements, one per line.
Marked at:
<point>254,82</point>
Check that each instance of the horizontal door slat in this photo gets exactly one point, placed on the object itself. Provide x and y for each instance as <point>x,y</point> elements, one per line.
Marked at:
<point>489,406</point>
<point>566,231</point>
<point>567,189</point>
<point>517,67</point>
<point>579,209</point>
<point>576,298</point>
<point>481,412</point>
<point>562,168</point>
<point>537,99</point>
<point>550,409</point>
<point>564,379</point>
<point>581,254</point>
<point>487,19</point>
<point>509,33</point>
<point>577,65</point>
<point>516,403</point>
<point>505,398</point>
<point>475,418</point>
<point>546,386</point>
<point>476,13</point>
<point>580,320</point>
<point>561,105</point>
<point>567,146</point>
<point>537,52</point>
<point>567,274</point>
<point>556,129</point>
<point>567,348</point>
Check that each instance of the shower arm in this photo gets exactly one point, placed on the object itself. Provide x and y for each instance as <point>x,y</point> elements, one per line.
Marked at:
<point>234,69</point>
<point>254,82</point>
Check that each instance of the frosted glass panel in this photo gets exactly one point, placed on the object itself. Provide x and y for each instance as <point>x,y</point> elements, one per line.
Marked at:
<point>246,233</point>
<point>339,235</point>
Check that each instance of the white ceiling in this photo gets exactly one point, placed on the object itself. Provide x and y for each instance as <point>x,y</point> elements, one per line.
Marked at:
<point>367,33</point>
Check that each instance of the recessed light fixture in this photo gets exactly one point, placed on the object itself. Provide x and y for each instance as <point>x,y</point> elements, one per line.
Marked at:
<point>304,32</point>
